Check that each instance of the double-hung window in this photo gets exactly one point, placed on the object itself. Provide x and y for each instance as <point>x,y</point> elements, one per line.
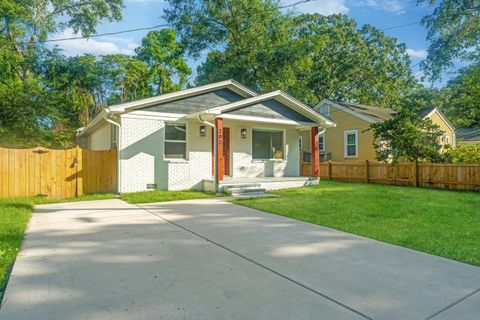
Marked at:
<point>175,141</point>
<point>351,143</point>
<point>267,144</point>
<point>321,142</point>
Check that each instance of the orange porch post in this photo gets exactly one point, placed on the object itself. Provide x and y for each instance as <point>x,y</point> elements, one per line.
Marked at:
<point>220,160</point>
<point>314,143</point>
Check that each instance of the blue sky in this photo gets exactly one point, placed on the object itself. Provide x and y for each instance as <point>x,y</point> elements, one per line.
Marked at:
<point>380,13</point>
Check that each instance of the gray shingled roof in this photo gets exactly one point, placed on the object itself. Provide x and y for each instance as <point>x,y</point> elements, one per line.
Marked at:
<point>425,111</point>
<point>468,134</point>
<point>377,113</point>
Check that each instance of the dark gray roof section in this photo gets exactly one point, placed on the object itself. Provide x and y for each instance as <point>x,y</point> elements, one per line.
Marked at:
<point>377,113</point>
<point>468,134</point>
<point>270,109</point>
<point>425,111</point>
<point>198,102</point>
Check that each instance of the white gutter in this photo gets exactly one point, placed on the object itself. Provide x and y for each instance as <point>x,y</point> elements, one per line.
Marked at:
<point>119,177</point>
<point>215,151</point>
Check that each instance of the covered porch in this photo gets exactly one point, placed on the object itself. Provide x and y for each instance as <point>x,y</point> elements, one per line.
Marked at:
<point>259,143</point>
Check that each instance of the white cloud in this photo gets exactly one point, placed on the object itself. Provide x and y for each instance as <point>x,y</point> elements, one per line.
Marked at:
<point>325,7</point>
<point>393,6</point>
<point>420,53</point>
<point>75,47</point>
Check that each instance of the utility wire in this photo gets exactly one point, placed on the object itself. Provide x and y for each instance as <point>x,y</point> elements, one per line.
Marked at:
<point>401,26</point>
<point>169,25</point>
<point>153,27</point>
<point>108,33</point>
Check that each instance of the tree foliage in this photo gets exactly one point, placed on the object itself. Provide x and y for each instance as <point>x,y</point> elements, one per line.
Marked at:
<point>467,153</point>
<point>310,56</point>
<point>463,92</point>
<point>406,136</point>
<point>453,32</point>
<point>164,56</point>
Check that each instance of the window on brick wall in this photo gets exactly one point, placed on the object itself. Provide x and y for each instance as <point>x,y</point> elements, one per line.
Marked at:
<point>175,141</point>
<point>267,144</point>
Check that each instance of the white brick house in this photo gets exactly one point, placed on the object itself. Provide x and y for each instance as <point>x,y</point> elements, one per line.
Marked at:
<point>198,137</point>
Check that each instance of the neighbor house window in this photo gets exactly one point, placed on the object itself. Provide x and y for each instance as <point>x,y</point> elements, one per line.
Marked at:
<point>447,140</point>
<point>321,142</point>
<point>351,143</point>
<point>325,110</point>
<point>267,144</point>
<point>175,141</point>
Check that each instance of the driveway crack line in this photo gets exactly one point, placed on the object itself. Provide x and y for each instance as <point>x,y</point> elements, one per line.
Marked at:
<point>453,304</point>
<point>260,265</point>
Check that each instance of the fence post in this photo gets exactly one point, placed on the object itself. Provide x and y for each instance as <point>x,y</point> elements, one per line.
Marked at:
<point>478,175</point>
<point>367,171</point>
<point>415,173</point>
<point>329,171</point>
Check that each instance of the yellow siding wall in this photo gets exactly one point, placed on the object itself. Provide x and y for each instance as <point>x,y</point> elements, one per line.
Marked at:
<point>334,136</point>
<point>437,119</point>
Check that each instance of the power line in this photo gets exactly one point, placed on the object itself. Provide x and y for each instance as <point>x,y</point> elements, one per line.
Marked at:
<point>108,33</point>
<point>152,27</point>
<point>169,25</point>
<point>401,26</point>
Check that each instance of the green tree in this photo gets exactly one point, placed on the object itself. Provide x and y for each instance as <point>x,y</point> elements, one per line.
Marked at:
<point>453,32</point>
<point>463,91</point>
<point>164,56</point>
<point>35,106</point>
<point>467,153</point>
<point>25,24</point>
<point>246,36</point>
<point>407,136</point>
<point>321,57</point>
<point>125,78</point>
<point>343,62</point>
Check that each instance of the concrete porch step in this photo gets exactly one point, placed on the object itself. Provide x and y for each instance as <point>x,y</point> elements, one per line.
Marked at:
<point>243,190</point>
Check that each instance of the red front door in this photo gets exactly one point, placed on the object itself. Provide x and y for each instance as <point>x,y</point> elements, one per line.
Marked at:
<point>226,151</point>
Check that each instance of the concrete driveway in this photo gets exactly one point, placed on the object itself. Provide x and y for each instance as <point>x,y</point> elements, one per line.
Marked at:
<point>209,259</point>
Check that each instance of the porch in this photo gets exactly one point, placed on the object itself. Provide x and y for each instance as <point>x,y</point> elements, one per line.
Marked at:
<point>257,183</point>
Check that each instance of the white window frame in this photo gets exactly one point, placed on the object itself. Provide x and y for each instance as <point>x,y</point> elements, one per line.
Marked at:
<point>345,143</point>
<point>283,144</point>
<point>325,110</point>
<point>447,140</point>
<point>175,141</point>
<point>324,146</point>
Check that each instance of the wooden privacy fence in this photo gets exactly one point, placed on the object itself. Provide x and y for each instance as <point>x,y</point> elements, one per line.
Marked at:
<point>56,173</point>
<point>432,175</point>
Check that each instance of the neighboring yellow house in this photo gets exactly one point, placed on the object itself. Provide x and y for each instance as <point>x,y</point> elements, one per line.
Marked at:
<point>352,138</point>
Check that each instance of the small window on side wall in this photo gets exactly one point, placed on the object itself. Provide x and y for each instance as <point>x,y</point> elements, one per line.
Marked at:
<point>325,110</point>
<point>321,142</point>
<point>175,141</point>
<point>351,143</point>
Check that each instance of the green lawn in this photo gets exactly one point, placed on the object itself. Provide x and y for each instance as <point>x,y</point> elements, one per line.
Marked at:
<point>161,196</point>
<point>14,216</point>
<point>444,223</point>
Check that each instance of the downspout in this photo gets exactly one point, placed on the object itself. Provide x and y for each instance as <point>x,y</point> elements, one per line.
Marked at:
<point>119,177</point>
<point>215,151</point>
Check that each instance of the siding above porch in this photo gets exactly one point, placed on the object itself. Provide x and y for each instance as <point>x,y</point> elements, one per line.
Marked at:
<point>271,109</point>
